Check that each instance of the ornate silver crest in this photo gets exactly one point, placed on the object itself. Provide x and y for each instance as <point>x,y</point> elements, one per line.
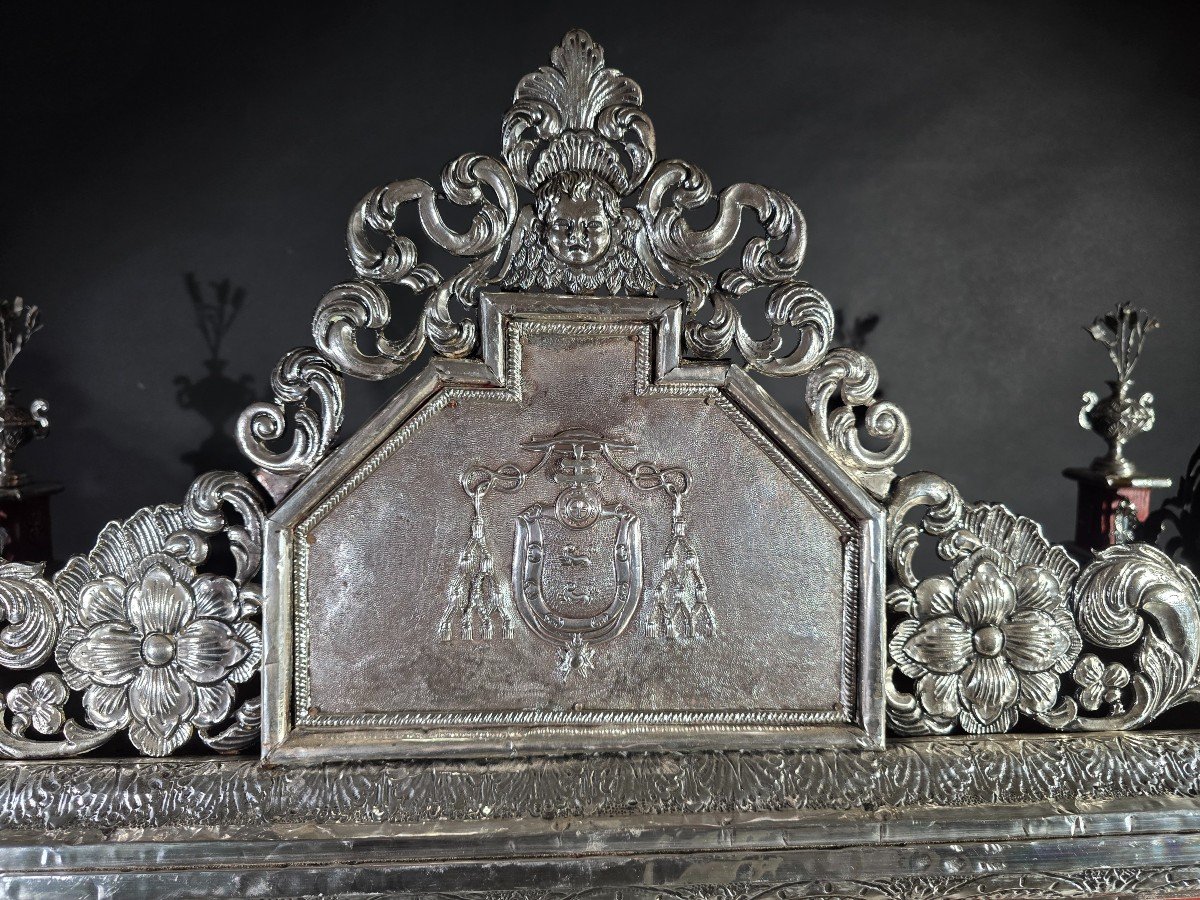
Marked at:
<point>630,494</point>
<point>582,528</point>
<point>577,138</point>
<point>577,567</point>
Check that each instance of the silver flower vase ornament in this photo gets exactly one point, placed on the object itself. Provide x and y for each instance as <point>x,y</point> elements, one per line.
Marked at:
<point>1114,498</point>
<point>1120,416</point>
<point>18,424</point>
<point>24,505</point>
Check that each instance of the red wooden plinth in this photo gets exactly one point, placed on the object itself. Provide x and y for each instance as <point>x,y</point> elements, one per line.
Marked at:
<point>1099,514</point>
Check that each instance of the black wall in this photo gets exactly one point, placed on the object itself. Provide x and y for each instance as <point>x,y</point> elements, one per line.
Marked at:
<point>984,179</point>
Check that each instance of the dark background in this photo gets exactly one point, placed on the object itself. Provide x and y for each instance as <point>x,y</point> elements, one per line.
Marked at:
<point>983,178</point>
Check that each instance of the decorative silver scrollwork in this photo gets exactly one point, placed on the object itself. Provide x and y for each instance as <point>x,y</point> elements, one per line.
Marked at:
<point>32,610</point>
<point>998,638</point>
<point>1133,596</point>
<point>350,307</point>
<point>462,182</point>
<point>156,647</point>
<point>244,730</point>
<point>577,137</point>
<point>302,374</point>
<point>675,187</point>
<point>202,509</point>
<point>850,376</point>
<point>993,640</point>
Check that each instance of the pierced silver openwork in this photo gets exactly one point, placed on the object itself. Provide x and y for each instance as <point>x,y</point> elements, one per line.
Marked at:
<point>586,516</point>
<point>583,529</point>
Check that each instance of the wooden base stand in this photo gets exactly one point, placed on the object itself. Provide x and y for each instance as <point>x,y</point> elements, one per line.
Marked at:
<point>1106,502</point>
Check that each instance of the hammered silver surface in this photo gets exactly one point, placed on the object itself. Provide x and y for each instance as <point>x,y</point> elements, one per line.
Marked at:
<point>375,554</point>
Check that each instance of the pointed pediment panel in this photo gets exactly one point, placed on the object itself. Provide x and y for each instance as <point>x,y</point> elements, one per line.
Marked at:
<point>577,543</point>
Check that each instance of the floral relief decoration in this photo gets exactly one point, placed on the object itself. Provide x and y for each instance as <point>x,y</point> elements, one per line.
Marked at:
<point>38,704</point>
<point>161,652</point>
<point>156,648</point>
<point>165,651</point>
<point>980,649</point>
<point>1003,636</point>
<point>1100,684</point>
